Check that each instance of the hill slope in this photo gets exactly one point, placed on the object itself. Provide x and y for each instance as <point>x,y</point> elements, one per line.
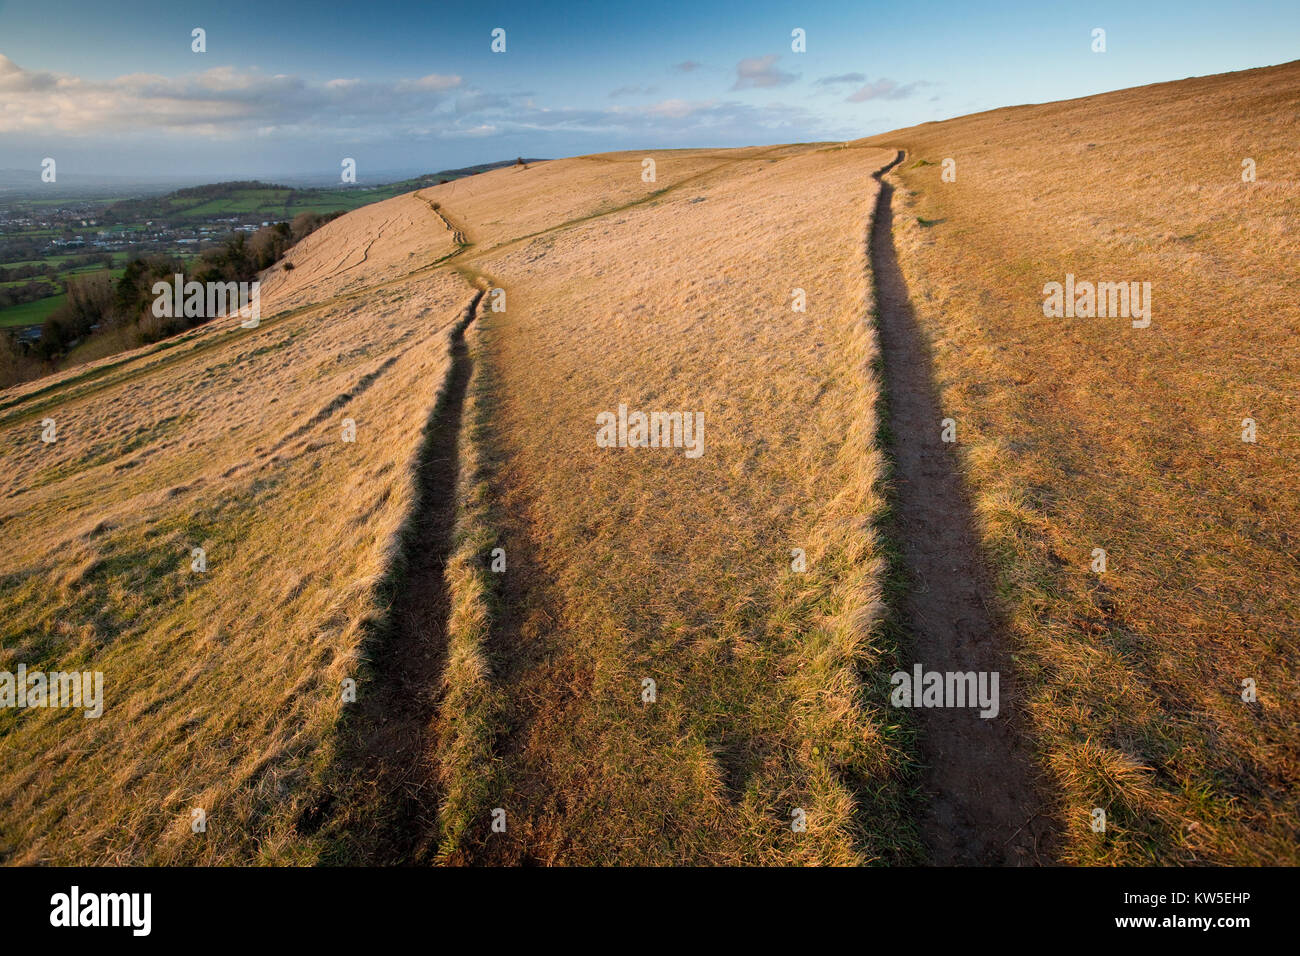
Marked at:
<point>483,633</point>
<point>1082,433</point>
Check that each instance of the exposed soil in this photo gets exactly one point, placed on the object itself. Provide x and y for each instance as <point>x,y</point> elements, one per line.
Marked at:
<point>392,725</point>
<point>983,785</point>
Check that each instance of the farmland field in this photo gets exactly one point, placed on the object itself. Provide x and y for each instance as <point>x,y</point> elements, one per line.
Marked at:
<point>30,313</point>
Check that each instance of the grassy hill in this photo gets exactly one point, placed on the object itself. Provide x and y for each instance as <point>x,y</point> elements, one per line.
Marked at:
<point>1085,433</point>
<point>441,622</point>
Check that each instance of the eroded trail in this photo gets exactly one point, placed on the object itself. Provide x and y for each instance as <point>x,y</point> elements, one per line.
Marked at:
<point>457,235</point>
<point>984,802</point>
<point>392,727</point>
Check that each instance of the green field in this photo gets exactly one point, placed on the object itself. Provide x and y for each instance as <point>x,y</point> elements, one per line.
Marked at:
<point>30,313</point>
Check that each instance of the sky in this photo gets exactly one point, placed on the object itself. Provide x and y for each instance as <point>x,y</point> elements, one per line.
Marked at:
<point>115,88</point>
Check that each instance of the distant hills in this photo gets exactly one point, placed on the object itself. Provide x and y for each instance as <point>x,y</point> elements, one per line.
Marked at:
<point>313,193</point>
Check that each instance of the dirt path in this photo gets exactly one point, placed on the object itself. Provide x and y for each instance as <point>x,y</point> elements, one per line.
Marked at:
<point>983,787</point>
<point>392,725</point>
<point>530,659</point>
<point>457,234</point>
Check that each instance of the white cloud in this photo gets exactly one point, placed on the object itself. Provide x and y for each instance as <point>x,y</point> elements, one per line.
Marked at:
<point>842,78</point>
<point>220,102</point>
<point>884,89</point>
<point>760,72</point>
<point>433,82</point>
<point>244,106</point>
<point>676,109</point>
<point>473,132</point>
<point>634,91</point>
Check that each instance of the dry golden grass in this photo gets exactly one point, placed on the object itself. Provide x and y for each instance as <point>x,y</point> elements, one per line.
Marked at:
<point>1085,433</point>
<point>383,241</point>
<point>506,204</point>
<point>222,689</point>
<point>627,564</point>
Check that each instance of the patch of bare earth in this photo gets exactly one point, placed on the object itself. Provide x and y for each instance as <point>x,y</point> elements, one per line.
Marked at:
<point>984,793</point>
<point>390,739</point>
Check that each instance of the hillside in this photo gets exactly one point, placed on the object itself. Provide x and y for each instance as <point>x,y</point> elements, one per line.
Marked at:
<point>444,619</point>
<point>1086,433</point>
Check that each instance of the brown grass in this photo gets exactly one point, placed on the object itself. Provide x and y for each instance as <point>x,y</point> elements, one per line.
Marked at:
<point>223,689</point>
<point>627,564</point>
<point>1084,433</point>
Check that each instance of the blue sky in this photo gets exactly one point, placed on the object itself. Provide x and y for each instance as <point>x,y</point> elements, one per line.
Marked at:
<point>285,88</point>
